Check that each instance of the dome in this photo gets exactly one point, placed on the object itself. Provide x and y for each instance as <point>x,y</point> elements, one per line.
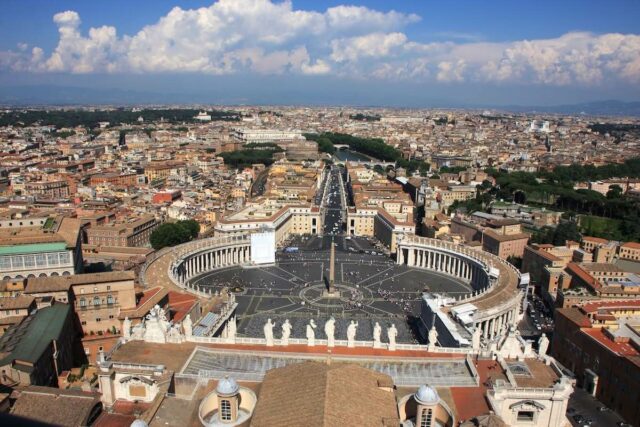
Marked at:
<point>227,387</point>
<point>427,395</point>
<point>139,423</point>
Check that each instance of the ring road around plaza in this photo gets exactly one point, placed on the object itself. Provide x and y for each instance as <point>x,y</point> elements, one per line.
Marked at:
<point>474,289</point>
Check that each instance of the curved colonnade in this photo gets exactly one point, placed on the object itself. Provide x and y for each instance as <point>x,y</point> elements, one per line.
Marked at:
<point>495,296</point>
<point>201,256</point>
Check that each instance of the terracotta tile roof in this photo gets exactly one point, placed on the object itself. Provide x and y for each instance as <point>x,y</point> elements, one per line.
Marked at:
<point>149,298</point>
<point>55,406</point>
<point>619,347</point>
<point>631,245</point>
<point>114,420</point>
<point>506,237</point>
<point>471,402</point>
<point>594,239</point>
<point>64,283</point>
<point>16,303</point>
<point>585,276</point>
<point>320,394</point>
<point>595,306</point>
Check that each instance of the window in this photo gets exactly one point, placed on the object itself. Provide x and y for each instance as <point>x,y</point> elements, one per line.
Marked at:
<point>83,302</point>
<point>526,416</point>
<point>427,416</point>
<point>98,319</point>
<point>41,260</point>
<point>225,410</point>
<point>110,299</point>
<point>52,259</point>
<point>96,300</point>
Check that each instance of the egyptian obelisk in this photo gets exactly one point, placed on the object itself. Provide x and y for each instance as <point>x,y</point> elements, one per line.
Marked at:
<point>332,268</point>
<point>331,291</point>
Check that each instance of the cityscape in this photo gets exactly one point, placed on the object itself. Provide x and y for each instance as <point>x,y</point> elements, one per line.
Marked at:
<point>262,213</point>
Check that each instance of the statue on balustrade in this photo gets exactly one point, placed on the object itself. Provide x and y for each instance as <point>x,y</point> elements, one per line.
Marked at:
<point>286,332</point>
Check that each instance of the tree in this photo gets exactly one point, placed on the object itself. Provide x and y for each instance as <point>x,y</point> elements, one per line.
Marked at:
<point>515,261</point>
<point>615,192</point>
<point>174,233</point>
<point>191,226</point>
<point>566,231</point>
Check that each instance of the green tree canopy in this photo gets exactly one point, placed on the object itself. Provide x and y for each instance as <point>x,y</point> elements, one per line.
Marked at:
<point>174,233</point>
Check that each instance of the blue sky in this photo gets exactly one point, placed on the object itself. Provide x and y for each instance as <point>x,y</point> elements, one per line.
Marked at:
<point>361,52</point>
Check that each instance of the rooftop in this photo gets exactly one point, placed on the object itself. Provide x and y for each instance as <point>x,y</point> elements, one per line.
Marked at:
<point>314,393</point>
<point>28,340</point>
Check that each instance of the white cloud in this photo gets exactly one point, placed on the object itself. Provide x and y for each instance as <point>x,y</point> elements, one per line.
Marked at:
<point>373,45</point>
<point>268,37</point>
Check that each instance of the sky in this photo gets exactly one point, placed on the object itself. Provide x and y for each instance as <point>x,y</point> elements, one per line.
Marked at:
<point>398,53</point>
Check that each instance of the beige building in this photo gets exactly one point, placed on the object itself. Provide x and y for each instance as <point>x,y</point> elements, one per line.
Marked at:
<point>382,210</point>
<point>504,238</point>
<point>133,233</point>
<point>455,193</point>
<point>630,251</point>
<point>285,219</point>
<point>97,298</point>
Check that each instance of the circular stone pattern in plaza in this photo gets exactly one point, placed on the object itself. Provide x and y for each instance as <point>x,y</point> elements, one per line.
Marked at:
<point>371,288</point>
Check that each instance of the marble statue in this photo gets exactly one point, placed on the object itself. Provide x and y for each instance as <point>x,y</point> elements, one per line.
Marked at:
<point>126,328</point>
<point>187,326</point>
<point>311,335</point>
<point>137,332</point>
<point>392,333</point>
<point>475,338</point>
<point>543,345</point>
<point>329,330</point>
<point>286,332</point>
<point>377,332</point>
<point>351,334</point>
<point>433,338</point>
<point>268,332</point>
<point>156,326</point>
<point>174,331</point>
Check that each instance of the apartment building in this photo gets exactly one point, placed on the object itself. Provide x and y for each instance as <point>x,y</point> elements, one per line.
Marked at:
<point>114,178</point>
<point>504,238</point>
<point>135,232</point>
<point>599,343</point>
<point>48,189</point>
<point>285,219</point>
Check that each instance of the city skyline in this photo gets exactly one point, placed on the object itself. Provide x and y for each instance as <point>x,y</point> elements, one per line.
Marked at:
<point>416,54</point>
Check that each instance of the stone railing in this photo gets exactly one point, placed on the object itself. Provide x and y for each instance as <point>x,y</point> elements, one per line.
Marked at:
<point>323,342</point>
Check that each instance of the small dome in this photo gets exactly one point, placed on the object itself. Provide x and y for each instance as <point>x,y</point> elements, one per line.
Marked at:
<point>427,395</point>
<point>227,387</point>
<point>139,423</point>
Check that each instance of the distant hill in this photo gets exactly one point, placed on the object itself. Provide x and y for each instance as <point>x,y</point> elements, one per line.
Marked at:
<point>69,95</point>
<point>596,108</point>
